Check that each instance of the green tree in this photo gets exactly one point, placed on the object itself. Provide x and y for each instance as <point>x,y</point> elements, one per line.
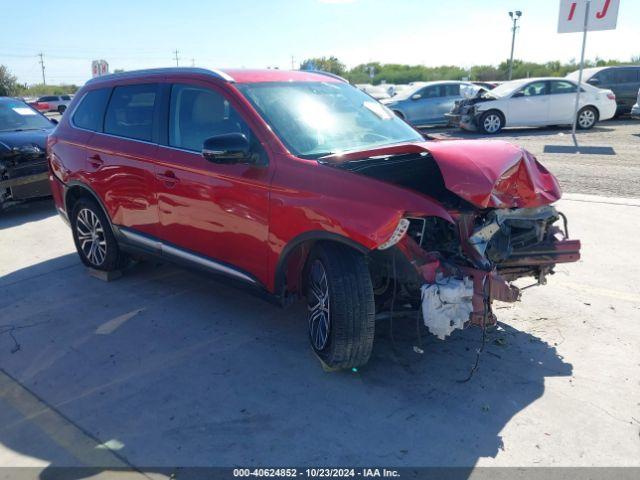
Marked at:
<point>326,64</point>
<point>8,83</point>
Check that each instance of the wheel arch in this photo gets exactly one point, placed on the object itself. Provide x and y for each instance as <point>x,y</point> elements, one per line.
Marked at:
<point>76,190</point>
<point>294,256</point>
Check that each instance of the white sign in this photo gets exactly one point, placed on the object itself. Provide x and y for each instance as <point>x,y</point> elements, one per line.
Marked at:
<point>603,15</point>
<point>99,68</point>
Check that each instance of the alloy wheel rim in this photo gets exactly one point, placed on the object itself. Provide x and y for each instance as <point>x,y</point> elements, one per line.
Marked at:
<point>492,123</point>
<point>91,236</point>
<point>586,118</point>
<point>319,306</point>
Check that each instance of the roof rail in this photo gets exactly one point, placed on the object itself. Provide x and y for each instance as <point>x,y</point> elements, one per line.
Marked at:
<point>164,71</point>
<point>329,74</point>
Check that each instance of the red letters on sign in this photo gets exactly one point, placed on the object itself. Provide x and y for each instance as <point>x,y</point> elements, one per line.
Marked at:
<point>572,11</point>
<point>603,13</point>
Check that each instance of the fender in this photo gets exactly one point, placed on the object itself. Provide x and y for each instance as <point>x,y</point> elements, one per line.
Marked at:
<point>312,235</point>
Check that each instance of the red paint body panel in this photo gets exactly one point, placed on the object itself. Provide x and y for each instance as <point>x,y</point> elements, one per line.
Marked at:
<point>247,215</point>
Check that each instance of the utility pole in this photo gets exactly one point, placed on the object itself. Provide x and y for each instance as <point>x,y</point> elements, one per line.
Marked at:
<point>293,63</point>
<point>515,16</point>
<point>41,62</point>
<point>193,62</point>
<point>175,53</point>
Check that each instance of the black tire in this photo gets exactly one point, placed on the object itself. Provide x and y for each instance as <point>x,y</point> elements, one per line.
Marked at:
<point>89,224</point>
<point>587,118</point>
<point>350,308</point>
<point>61,109</point>
<point>491,122</point>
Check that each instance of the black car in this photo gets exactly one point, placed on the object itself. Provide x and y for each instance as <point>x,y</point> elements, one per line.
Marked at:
<point>624,81</point>
<point>23,163</point>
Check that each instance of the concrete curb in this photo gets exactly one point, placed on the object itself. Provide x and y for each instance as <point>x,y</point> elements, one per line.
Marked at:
<point>580,197</point>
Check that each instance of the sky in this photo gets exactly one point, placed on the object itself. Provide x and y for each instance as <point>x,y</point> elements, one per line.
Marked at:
<point>132,34</point>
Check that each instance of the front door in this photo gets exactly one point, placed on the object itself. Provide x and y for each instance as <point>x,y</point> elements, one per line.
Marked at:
<point>217,211</point>
<point>530,105</point>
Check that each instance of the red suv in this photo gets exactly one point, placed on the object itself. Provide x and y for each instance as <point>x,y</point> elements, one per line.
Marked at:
<point>299,184</point>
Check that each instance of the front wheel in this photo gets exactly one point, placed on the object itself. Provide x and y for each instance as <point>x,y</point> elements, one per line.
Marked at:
<point>587,118</point>
<point>491,122</point>
<point>340,303</point>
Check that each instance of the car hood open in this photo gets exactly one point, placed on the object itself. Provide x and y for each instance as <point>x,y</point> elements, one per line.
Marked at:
<point>487,174</point>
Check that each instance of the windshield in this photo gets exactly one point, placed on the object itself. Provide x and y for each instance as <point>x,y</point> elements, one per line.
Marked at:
<point>17,115</point>
<point>314,119</point>
<point>505,89</point>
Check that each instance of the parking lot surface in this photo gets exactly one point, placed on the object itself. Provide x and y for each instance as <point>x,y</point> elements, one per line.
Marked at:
<point>166,367</point>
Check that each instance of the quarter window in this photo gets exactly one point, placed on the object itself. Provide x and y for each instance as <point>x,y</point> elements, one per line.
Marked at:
<point>130,111</point>
<point>90,112</point>
<point>196,114</point>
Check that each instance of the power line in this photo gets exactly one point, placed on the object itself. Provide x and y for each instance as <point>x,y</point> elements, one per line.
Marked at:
<point>41,55</point>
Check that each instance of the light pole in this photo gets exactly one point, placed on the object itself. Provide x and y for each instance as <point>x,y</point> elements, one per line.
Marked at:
<point>515,16</point>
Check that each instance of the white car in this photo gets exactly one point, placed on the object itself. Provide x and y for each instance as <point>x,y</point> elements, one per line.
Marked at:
<point>533,102</point>
<point>57,103</point>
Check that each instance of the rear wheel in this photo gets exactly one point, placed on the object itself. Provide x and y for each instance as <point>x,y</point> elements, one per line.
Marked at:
<point>587,118</point>
<point>340,302</point>
<point>61,109</point>
<point>491,122</point>
<point>95,242</point>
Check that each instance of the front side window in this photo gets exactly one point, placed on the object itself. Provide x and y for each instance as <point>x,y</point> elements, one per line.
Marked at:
<point>196,114</point>
<point>626,75</point>
<point>434,91</point>
<point>452,90</point>
<point>320,118</point>
<point>535,89</point>
<point>130,111</point>
<point>90,112</point>
<point>561,86</point>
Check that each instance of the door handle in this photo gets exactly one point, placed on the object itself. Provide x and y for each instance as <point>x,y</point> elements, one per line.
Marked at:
<point>95,161</point>
<point>168,177</point>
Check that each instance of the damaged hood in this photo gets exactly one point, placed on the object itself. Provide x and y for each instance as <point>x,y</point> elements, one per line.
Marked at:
<point>494,174</point>
<point>12,142</point>
<point>485,173</point>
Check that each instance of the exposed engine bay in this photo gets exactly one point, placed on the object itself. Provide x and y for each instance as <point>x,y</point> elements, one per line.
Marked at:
<point>503,230</point>
<point>23,173</point>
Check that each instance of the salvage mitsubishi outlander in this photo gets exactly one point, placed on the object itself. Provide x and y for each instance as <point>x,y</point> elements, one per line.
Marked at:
<point>300,185</point>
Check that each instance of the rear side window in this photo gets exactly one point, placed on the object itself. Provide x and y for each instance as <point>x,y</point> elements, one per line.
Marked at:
<point>65,97</point>
<point>130,111</point>
<point>90,112</point>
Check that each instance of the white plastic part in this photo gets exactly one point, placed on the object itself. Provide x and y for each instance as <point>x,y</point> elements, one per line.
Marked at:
<point>396,236</point>
<point>446,305</point>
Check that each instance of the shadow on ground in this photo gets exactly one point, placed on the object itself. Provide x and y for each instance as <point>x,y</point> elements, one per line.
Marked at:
<point>30,211</point>
<point>172,368</point>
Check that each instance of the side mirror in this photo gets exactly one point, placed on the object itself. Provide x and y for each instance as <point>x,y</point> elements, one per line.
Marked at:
<point>227,148</point>
<point>593,81</point>
<point>518,94</point>
<point>416,96</point>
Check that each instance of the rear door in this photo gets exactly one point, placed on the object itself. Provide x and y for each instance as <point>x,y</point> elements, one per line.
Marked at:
<point>562,101</point>
<point>530,105</point>
<point>216,211</point>
<point>120,158</point>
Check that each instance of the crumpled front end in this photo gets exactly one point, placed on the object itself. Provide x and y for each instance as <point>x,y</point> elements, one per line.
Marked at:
<point>23,173</point>
<point>460,269</point>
